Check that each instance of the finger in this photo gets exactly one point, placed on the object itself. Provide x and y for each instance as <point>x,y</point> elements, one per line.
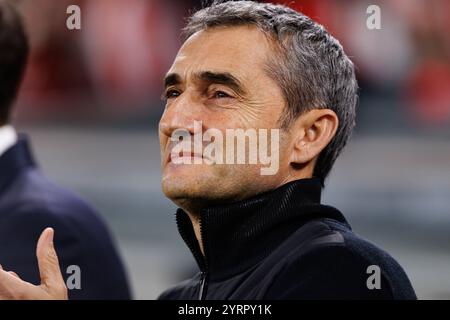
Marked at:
<point>11,287</point>
<point>49,270</point>
<point>10,272</point>
<point>7,279</point>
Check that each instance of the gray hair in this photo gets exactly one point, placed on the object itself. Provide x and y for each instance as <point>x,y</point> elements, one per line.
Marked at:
<point>308,64</point>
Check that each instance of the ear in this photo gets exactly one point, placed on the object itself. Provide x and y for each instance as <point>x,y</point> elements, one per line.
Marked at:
<point>312,132</point>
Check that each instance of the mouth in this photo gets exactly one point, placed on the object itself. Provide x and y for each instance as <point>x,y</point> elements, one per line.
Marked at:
<point>180,157</point>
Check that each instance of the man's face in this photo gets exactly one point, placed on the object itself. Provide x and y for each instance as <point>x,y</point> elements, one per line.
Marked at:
<point>218,79</point>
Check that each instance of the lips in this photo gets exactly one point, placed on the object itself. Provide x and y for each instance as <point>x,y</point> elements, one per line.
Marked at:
<point>191,155</point>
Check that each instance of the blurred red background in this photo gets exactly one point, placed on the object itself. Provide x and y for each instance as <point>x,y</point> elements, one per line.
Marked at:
<point>111,69</point>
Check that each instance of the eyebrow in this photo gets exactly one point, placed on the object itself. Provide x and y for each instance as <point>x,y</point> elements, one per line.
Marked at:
<point>172,79</point>
<point>224,78</point>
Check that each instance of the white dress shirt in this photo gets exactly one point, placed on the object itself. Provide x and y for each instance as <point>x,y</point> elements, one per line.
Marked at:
<point>8,138</point>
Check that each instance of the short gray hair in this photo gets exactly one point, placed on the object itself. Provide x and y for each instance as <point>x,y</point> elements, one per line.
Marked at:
<point>309,64</point>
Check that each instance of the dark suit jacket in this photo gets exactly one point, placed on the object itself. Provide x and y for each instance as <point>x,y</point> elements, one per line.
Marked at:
<point>28,204</point>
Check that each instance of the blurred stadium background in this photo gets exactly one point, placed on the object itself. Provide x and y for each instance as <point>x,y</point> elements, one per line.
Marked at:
<point>90,102</point>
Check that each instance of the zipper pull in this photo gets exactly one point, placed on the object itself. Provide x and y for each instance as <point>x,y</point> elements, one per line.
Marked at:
<point>202,286</point>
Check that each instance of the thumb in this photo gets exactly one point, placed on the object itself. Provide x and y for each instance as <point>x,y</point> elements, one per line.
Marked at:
<point>49,270</point>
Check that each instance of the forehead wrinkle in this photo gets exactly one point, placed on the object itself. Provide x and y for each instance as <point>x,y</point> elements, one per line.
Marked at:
<point>195,56</point>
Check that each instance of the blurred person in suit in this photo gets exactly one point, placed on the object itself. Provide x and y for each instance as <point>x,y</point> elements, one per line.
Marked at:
<point>29,202</point>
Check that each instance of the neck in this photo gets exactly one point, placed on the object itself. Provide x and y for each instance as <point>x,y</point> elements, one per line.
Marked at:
<point>193,211</point>
<point>195,219</point>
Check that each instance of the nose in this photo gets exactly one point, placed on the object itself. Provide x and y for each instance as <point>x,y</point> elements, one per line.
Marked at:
<point>180,114</point>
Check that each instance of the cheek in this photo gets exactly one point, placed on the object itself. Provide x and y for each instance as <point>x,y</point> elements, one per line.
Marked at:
<point>285,151</point>
<point>241,116</point>
<point>263,113</point>
<point>163,141</point>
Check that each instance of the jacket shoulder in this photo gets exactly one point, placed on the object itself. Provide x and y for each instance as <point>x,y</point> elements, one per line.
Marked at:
<point>182,291</point>
<point>32,193</point>
<point>332,262</point>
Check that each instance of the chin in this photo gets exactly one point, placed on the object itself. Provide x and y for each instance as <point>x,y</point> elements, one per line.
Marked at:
<point>205,183</point>
<point>184,183</point>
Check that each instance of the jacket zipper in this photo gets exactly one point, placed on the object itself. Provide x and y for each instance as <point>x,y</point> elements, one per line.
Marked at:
<point>202,289</point>
<point>204,271</point>
<point>201,260</point>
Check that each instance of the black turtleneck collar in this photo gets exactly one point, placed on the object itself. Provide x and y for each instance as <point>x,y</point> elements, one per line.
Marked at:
<point>238,235</point>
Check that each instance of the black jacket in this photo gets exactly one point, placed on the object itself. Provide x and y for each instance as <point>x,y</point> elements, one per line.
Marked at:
<point>28,204</point>
<point>284,244</point>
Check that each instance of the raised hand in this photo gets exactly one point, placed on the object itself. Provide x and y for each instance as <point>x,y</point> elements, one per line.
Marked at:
<point>52,285</point>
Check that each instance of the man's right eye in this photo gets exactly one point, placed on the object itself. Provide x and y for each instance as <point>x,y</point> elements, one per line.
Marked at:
<point>172,94</point>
